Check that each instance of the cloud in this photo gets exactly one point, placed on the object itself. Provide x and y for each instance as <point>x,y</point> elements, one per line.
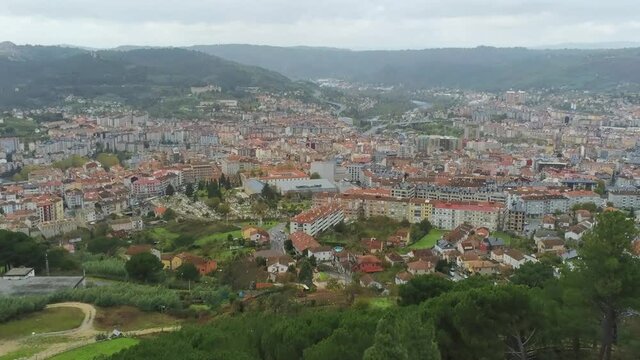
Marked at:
<point>364,24</point>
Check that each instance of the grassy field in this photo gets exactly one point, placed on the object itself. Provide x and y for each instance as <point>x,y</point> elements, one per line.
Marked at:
<point>48,320</point>
<point>128,318</point>
<point>103,348</point>
<point>508,239</point>
<point>381,303</point>
<point>218,237</point>
<point>428,240</point>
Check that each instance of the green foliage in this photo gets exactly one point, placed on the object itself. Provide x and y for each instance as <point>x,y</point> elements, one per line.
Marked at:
<point>607,274</point>
<point>305,275</point>
<point>108,268</point>
<point>73,161</point>
<point>108,160</point>
<point>188,272</point>
<point>144,267</point>
<point>146,298</point>
<point>315,175</point>
<point>422,288</point>
<point>104,245</point>
<point>18,249</point>
<point>590,206</point>
<point>13,307</point>
<point>533,274</point>
<point>420,230</point>
<point>170,190</point>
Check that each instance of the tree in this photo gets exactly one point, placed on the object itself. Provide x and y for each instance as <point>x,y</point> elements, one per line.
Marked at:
<point>189,191</point>
<point>422,288</point>
<point>533,274</point>
<point>387,342</point>
<point>260,209</point>
<point>315,175</point>
<point>589,206</point>
<point>188,272</point>
<point>261,262</point>
<point>103,245</point>
<point>305,275</point>
<point>169,215</point>
<point>608,275</point>
<point>223,209</point>
<point>107,160</point>
<point>143,267</point>
<point>170,190</point>
<point>288,245</point>
<point>600,187</point>
<point>18,249</point>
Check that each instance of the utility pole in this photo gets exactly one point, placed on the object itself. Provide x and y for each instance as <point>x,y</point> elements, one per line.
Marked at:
<point>46,261</point>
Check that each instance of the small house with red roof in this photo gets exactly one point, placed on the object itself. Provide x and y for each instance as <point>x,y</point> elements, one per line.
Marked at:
<point>302,241</point>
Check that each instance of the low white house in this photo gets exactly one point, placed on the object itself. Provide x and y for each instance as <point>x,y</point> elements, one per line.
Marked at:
<point>19,273</point>
<point>514,258</point>
<point>321,253</point>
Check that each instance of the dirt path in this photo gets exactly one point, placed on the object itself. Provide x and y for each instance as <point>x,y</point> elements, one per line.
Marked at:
<point>80,336</point>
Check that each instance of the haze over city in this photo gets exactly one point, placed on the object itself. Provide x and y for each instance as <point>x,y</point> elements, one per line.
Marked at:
<point>369,24</point>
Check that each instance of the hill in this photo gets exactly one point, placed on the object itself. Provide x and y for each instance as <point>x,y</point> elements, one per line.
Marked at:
<point>485,68</point>
<point>39,75</point>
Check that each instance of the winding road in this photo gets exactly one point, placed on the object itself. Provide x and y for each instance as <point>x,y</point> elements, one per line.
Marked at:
<point>80,336</point>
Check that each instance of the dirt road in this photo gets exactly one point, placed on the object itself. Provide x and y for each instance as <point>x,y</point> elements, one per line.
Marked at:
<point>80,336</point>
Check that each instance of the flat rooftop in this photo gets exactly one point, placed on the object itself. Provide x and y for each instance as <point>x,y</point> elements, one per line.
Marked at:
<point>38,285</point>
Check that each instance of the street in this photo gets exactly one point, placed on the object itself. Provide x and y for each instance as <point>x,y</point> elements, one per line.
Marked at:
<point>278,235</point>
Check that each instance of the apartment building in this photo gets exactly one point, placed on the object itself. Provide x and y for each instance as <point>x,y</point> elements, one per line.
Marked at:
<point>625,198</point>
<point>317,219</point>
<point>449,215</point>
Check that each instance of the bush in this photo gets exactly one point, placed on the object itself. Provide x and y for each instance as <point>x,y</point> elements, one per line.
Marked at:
<point>12,307</point>
<point>107,268</point>
<point>146,298</point>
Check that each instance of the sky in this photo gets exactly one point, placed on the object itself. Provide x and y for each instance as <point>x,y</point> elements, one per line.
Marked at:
<point>363,24</point>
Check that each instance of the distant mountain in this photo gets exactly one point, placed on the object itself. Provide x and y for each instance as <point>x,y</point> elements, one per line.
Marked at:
<point>486,68</point>
<point>591,46</point>
<point>38,75</point>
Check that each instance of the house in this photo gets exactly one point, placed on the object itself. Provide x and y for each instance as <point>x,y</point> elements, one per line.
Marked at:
<point>481,267</point>
<point>204,266</point>
<point>255,234</point>
<point>302,241</point>
<point>400,238</point>
<point>462,258</point>
<point>491,243</point>
<point>564,221</point>
<point>394,259</point>
<point>403,277</point>
<point>583,215</point>
<point>345,262</point>
<point>368,281</point>
<point>551,245</point>
<point>497,255</point>
<point>139,249</point>
<point>514,258</point>
<point>372,245</point>
<point>159,211</point>
<point>321,253</point>
<point>443,246</point>
<point>420,267</point>
<point>166,260</point>
<point>576,232</point>
<point>549,222</point>
<point>279,264</point>
<point>368,264</point>
<point>19,273</point>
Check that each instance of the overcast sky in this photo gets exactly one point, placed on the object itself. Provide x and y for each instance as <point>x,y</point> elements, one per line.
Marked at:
<point>362,24</point>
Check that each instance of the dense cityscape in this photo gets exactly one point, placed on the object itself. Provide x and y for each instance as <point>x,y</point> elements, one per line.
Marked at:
<point>244,202</point>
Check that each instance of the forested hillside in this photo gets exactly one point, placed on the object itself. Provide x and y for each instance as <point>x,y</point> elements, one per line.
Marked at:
<point>484,68</point>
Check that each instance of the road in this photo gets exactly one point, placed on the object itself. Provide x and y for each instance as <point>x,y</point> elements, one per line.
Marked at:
<point>277,236</point>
